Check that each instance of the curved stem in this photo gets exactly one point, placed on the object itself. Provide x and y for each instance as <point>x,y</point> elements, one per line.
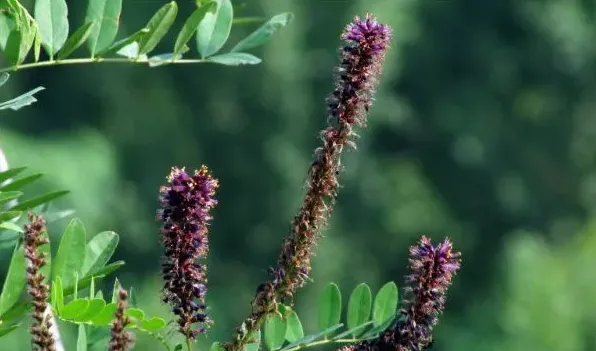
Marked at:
<point>78,61</point>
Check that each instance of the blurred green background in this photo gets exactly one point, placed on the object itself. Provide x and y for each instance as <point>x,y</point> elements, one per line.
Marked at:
<point>483,130</point>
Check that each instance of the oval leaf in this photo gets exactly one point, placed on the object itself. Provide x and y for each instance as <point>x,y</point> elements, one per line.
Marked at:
<point>52,19</point>
<point>153,324</point>
<point>158,26</point>
<point>385,305</point>
<point>136,313</point>
<point>99,251</point>
<point>191,25</point>
<point>264,33</point>
<point>13,47</point>
<point>71,253</point>
<point>214,30</point>
<point>106,13</point>
<point>235,59</point>
<point>359,306</point>
<point>294,331</point>
<point>94,309</point>
<point>15,280</point>
<point>74,308</point>
<point>76,40</point>
<point>275,331</point>
<point>106,315</point>
<point>329,306</point>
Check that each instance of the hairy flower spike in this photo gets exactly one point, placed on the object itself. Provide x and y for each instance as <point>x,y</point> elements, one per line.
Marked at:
<point>362,56</point>
<point>431,271</point>
<point>185,205</point>
<point>41,334</point>
<point>121,340</point>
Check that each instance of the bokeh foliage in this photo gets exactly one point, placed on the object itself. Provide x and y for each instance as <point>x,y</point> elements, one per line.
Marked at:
<point>482,130</point>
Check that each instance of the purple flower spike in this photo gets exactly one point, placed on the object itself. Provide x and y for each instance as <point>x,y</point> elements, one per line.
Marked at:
<point>185,205</point>
<point>431,271</point>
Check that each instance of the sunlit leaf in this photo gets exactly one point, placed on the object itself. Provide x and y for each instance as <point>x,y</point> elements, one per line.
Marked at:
<point>158,27</point>
<point>153,324</point>
<point>385,304</point>
<point>329,306</point>
<point>74,308</point>
<point>52,19</point>
<point>71,252</point>
<point>274,331</point>
<point>21,101</point>
<point>295,330</point>
<point>214,29</point>
<point>359,306</point>
<point>106,13</point>
<point>119,45</point>
<point>99,251</point>
<point>191,25</point>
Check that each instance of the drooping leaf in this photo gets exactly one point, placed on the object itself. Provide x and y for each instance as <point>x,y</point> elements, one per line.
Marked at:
<point>106,13</point>
<point>52,19</point>
<point>235,59</point>
<point>15,279</point>
<point>99,251</point>
<point>214,29</point>
<point>21,101</point>
<point>76,39</point>
<point>264,33</point>
<point>191,25</point>
<point>385,304</point>
<point>117,46</point>
<point>359,306</point>
<point>329,306</point>
<point>153,324</point>
<point>39,200</point>
<point>158,27</point>
<point>274,331</point>
<point>71,253</point>
<point>20,183</point>
<point>74,308</point>
<point>295,330</point>
<point>82,338</point>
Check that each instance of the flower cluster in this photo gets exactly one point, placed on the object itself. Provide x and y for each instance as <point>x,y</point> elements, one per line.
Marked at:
<point>362,57</point>
<point>185,205</point>
<point>38,290</point>
<point>431,271</point>
<point>120,340</point>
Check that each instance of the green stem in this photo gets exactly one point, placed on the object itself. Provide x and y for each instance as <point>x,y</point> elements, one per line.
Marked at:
<point>188,344</point>
<point>322,342</point>
<point>79,61</point>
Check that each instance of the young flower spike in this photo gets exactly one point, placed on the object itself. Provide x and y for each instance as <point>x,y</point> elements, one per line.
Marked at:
<point>41,333</point>
<point>365,44</point>
<point>121,340</point>
<point>431,271</point>
<point>185,205</point>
